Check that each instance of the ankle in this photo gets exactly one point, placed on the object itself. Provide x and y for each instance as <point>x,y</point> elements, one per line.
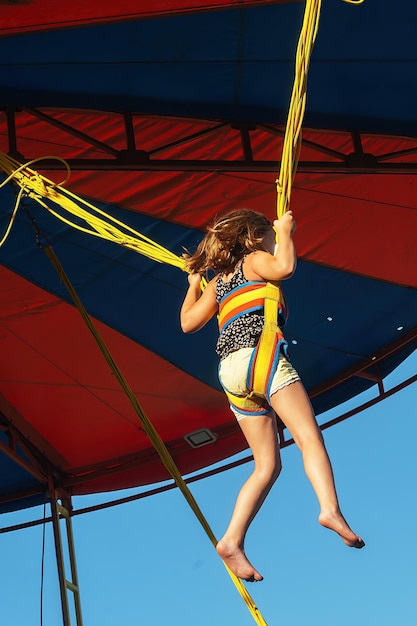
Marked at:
<point>231,542</point>
<point>332,510</point>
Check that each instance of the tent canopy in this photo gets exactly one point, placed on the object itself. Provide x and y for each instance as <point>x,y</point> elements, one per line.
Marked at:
<point>168,117</point>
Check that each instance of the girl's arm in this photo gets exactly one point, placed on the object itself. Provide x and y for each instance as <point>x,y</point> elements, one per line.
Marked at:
<point>198,308</point>
<point>282,263</point>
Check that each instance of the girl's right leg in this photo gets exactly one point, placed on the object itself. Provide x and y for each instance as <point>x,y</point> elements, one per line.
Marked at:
<point>293,406</point>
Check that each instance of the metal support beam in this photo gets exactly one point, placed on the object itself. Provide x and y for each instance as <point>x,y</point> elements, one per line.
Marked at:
<point>88,139</point>
<point>62,512</point>
<point>11,134</point>
<point>246,142</point>
<point>130,132</point>
<point>139,161</point>
<point>354,160</point>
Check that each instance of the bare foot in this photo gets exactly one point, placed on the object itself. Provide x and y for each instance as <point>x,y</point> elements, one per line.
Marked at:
<point>236,560</point>
<point>336,522</point>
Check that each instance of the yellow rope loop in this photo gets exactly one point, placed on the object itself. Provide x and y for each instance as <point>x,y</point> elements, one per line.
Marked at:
<point>80,214</point>
<point>12,218</point>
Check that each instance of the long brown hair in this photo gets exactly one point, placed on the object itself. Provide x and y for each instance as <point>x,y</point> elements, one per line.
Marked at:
<point>228,240</point>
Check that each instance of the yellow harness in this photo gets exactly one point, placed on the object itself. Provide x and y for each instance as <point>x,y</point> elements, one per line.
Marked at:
<point>246,298</point>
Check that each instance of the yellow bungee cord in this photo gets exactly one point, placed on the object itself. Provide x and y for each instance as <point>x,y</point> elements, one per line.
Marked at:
<point>292,138</point>
<point>97,223</point>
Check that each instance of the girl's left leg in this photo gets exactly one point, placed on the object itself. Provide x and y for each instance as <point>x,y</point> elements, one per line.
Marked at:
<point>260,432</point>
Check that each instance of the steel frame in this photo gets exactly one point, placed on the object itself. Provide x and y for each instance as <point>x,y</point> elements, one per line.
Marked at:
<point>133,158</point>
<point>29,458</point>
<point>62,511</point>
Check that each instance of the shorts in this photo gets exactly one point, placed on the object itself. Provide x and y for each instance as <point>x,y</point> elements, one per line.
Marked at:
<point>233,373</point>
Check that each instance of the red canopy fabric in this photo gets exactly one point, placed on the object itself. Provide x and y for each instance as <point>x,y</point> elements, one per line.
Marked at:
<point>38,15</point>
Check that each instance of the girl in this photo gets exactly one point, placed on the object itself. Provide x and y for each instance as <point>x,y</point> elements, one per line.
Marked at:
<point>240,248</point>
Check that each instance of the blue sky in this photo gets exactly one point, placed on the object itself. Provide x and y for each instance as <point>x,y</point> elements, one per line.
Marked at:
<point>149,561</point>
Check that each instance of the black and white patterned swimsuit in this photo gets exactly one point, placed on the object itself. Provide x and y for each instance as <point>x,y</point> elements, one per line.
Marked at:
<point>243,332</point>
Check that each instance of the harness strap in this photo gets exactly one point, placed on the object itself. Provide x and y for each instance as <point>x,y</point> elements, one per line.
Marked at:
<point>241,300</point>
<point>247,405</point>
<point>267,353</point>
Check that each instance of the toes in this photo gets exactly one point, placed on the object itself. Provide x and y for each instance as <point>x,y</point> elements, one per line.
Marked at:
<point>357,543</point>
<point>255,578</point>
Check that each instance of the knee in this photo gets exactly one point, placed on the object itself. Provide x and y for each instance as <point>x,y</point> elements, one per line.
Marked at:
<point>268,473</point>
<point>309,440</point>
